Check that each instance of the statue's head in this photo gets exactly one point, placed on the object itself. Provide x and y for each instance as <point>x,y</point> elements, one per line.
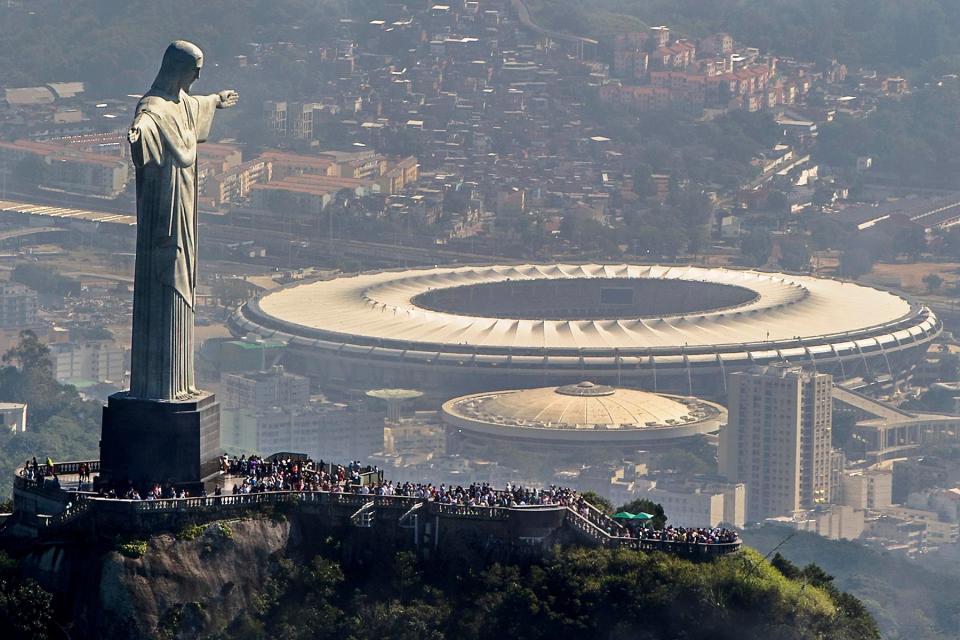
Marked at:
<point>181,66</point>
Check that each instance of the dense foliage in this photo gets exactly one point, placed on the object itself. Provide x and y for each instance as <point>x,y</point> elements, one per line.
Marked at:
<point>577,593</point>
<point>59,423</point>
<point>889,33</point>
<point>907,599</point>
<point>26,610</point>
<point>44,279</point>
<point>115,46</point>
<point>915,138</point>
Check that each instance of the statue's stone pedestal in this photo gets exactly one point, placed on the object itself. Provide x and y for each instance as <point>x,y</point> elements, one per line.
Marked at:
<point>155,441</point>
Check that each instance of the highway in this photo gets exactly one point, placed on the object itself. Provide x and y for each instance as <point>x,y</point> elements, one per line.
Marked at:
<point>282,247</point>
<point>22,233</point>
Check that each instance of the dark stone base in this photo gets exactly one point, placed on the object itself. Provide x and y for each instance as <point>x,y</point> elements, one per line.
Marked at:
<point>153,441</point>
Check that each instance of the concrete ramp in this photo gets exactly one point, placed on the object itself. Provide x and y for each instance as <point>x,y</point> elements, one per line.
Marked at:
<point>869,406</point>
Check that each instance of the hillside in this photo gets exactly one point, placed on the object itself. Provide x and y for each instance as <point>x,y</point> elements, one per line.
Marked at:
<point>268,577</point>
<point>891,34</point>
<point>906,599</point>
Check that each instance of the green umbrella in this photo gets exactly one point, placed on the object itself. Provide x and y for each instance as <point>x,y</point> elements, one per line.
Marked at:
<point>643,516</point>
<point>624,515</point>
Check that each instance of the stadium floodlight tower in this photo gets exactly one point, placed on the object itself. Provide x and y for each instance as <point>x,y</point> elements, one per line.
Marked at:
<point>396,400</point>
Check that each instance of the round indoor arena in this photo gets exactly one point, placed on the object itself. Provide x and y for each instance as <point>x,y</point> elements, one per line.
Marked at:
<point>577,416</point>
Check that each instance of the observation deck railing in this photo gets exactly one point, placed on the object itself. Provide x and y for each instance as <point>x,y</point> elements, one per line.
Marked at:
<point>583,518</point>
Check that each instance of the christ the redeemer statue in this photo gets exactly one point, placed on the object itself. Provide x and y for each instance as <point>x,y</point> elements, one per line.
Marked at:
<point>168,125</point>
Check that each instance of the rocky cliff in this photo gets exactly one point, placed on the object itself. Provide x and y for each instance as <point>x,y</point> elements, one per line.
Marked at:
<point>196,582</point>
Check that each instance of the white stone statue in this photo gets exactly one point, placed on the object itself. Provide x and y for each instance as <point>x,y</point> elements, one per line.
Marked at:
<point>168,124</point>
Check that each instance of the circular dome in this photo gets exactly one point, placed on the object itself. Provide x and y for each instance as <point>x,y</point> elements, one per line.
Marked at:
<point>584,413</point>
<point>568,406</point>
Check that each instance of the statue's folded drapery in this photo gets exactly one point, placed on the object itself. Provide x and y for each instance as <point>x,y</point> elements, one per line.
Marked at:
<point>165,157</point>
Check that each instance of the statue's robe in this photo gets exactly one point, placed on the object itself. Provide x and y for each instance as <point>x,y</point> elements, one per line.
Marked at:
<point>165,278</point>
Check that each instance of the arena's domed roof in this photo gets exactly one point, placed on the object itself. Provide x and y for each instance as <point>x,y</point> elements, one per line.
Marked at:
<point>584,406</point>
<point>585,412</point>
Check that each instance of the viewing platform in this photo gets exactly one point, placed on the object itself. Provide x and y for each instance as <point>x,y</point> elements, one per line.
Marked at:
<point>66,509</point>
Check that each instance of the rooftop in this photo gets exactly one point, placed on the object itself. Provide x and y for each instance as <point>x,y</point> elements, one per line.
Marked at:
<point>450,306</point>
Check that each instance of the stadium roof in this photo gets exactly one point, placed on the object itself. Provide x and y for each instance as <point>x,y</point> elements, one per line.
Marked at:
<point>380,306</point>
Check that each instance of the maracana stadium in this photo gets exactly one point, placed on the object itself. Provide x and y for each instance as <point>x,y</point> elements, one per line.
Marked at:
<point>463,329</point>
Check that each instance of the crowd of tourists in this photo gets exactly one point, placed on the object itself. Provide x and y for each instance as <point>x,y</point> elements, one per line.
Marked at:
<point>694,535</point>
<point>483,494</point>
<point>33,470</point>
<point>254,474</point>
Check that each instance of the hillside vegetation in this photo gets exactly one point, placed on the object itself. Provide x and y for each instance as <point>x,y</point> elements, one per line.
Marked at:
<point>907,600</point>
<point>59,423</point>
<point>887,33</point>
<point>577,593</point>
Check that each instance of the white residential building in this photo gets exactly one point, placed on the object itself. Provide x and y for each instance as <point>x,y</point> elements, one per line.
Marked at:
<point>18,306</point>
<point>13,416</point>
<point>777,440</point>
<point>95,360</point>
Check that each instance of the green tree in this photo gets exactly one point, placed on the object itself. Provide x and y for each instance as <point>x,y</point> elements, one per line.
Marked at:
<point>29,354</point>
<point>60,424</point>
<point>794,253</point>
<point>855,263</point>
<point>598,501</point>
<point>44,279</point>
<point>643,184</point>
<point>643,505</point>
<point>911,241</point>
<point>933,282</point>
<point>756,247</point>
<point>26,610</point>
<point>232,291</point>
<point>777,202</point>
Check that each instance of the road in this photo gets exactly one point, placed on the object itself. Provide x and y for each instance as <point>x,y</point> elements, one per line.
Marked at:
<point>281,246</point>
<point>523,14</point>
<point>21,233</point>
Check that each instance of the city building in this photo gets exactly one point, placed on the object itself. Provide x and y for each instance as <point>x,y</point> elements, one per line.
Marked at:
<point>908,531</point>
<point>420,436</point>
<point>251,353</point>
<point>620,482</point>
<point>322,430</point>
<point>867,488</point>
<point>697,503</point>
<point>13,417</point>
<point>63,168</point>
<point>92,360</point>
<point>236,183</point>
<point>836,522</point>
<point>777,440</point>
<point>264,389</point>
<point>268,411</point>
<point>18,306</point>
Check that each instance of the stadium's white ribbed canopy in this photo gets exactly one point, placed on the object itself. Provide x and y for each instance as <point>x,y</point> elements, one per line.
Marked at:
<point>381,306</point>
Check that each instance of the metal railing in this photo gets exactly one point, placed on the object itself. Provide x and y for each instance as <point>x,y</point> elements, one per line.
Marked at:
<point>677,547</point>
<point>585,518</point>
<point>468,512</point>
